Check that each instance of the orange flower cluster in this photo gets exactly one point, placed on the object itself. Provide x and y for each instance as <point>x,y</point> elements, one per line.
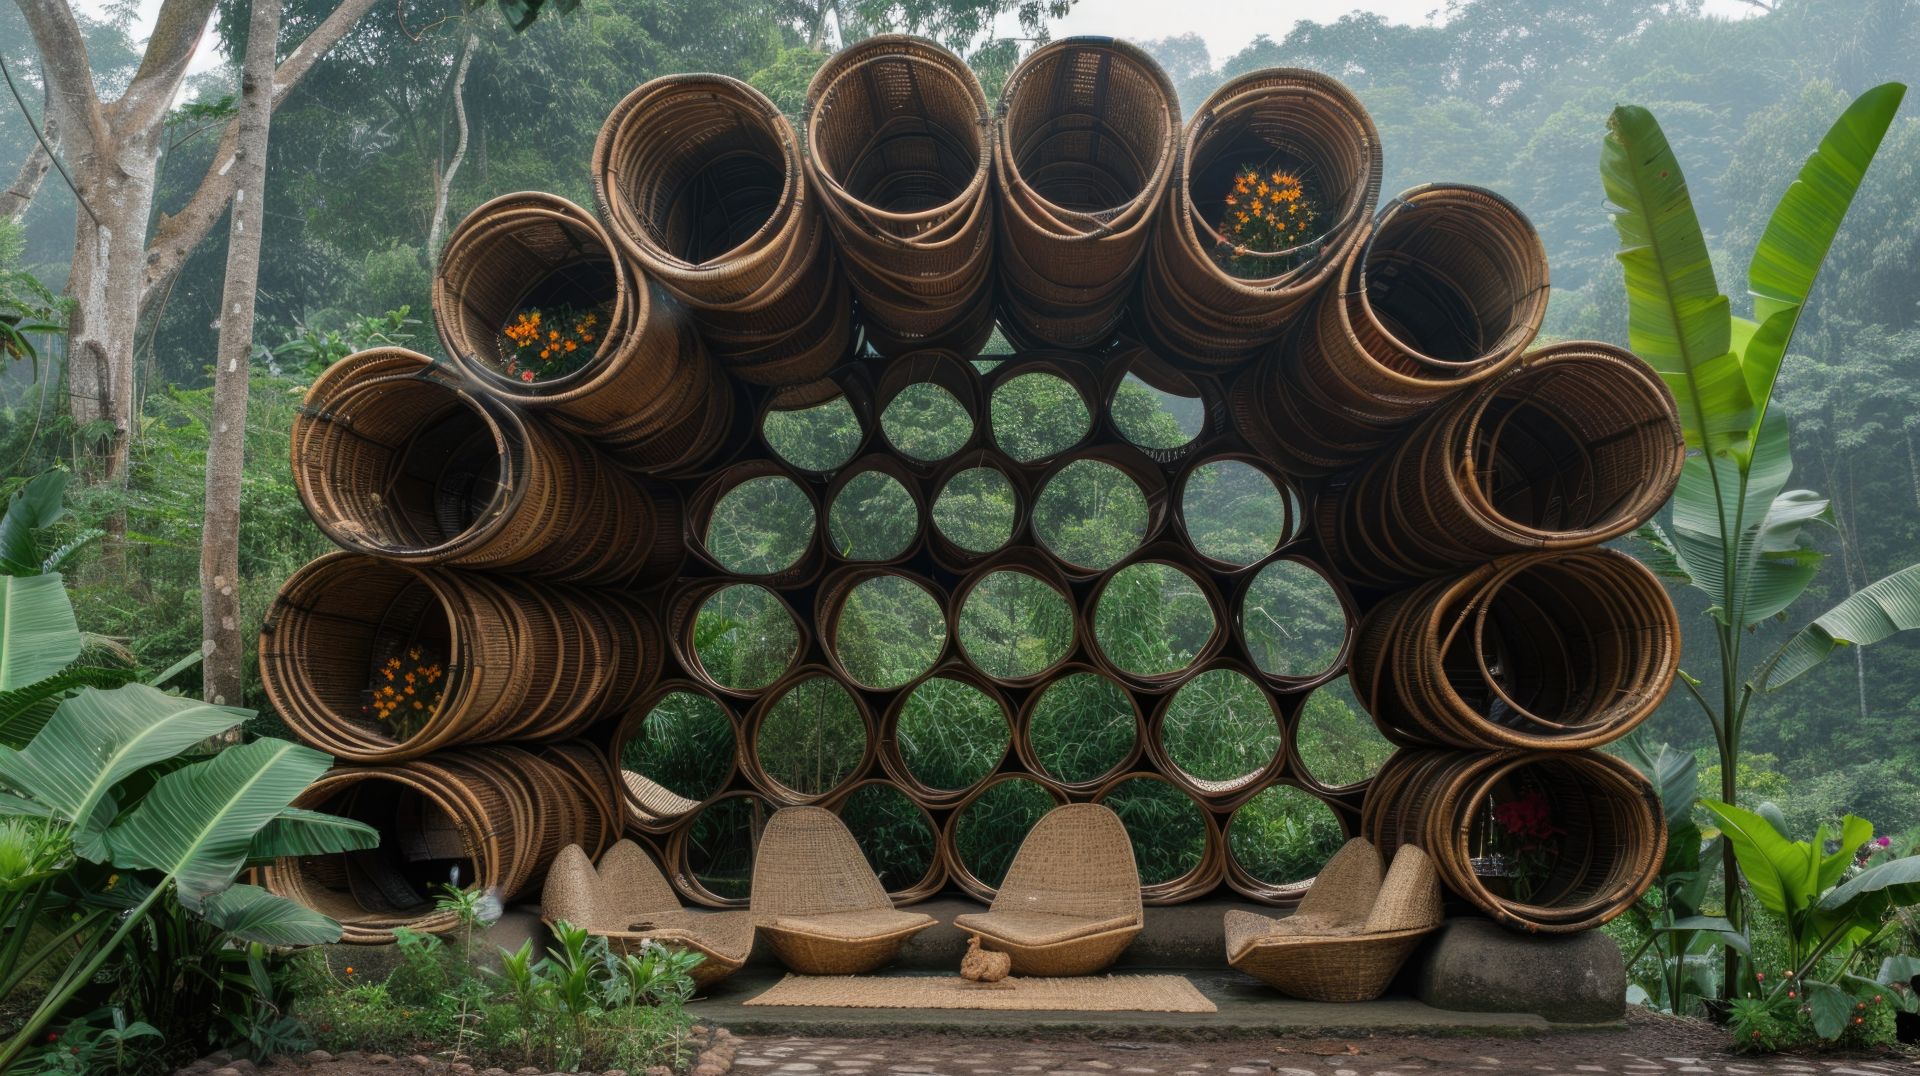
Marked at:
<point>542,344</point>
<point>406,690</point>
<point>1265,214</point>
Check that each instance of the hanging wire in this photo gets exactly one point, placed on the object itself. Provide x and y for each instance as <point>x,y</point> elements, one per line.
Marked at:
<point>42,139</point>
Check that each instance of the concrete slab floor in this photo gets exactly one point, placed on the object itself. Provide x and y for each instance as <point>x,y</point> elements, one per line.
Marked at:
<point>1246,1008</point>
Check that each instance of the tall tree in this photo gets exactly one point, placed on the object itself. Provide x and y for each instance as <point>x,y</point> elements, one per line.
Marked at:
<point>222,649</point>
<point>113,149</point>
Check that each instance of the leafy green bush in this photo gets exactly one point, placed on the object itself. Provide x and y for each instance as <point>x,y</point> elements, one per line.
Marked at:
<point>580,1006</point>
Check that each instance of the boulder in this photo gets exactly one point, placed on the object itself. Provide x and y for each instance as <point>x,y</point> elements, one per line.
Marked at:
<point>1474,965</point>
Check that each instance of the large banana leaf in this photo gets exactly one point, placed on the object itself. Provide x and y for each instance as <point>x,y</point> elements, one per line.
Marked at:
<point>1869,895</point>
<point>1876,611</point>
<point>299,832</point>
<point>1801,230</point>
<point>94,741</point>
<point>40,503</point>
<point>1678,321</point>
<point>199,821</point>
<point>252,914</point>
<point>38,635</point>
<point>1766,564</point>
<point>25,711</point>
<point>1777,870</point>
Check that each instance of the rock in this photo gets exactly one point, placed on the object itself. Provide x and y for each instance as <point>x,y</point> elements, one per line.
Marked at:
<point>460,1068</point>
<point>493,1072</point>
<point>420,1061</point>
<point>379,1059</point>
<point>527,1070</point>
<point>226,1070</point>
<point>219,1058</point>
<point>659,1070</point>
<point>708,1068</point>
<point>1474,965</point>
<point>318,1057</point>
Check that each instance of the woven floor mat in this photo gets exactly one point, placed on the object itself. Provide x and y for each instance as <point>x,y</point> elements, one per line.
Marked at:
<point>1103,993</point>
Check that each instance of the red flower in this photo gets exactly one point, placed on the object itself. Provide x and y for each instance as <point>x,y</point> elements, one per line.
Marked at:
<point>1528,816</point>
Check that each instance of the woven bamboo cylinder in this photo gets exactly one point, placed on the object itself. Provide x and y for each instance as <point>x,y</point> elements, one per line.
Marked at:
<point>902,891</point>
<point>700,181</point>
<point>1578,445</point>
<point>486,818</point>
<point>1084,146</point>
<point>1543,650</point>
<point>649,806</point>
<point>1606,847</point>
<point>1445,290</point>
<point>650,396</point>
<point>399,460</point>
<point>1210,868</point>
<point>518,662</point>
<point>1190,305</point>
<point>899,148</point>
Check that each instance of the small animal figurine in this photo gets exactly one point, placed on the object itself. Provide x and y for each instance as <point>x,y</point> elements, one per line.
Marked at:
<point>984,965</point>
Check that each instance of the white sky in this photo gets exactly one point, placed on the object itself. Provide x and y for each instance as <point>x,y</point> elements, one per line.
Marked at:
<point>1227,25</point>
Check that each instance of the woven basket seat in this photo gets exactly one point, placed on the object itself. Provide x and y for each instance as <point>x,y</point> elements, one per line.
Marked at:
<point>1071,900</point>
<point>627,901</point>
<point>818,901</point>
<point>1352,932</point>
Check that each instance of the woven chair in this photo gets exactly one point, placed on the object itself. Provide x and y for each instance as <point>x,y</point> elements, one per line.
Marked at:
<point>819,903</point>
<point>627,901</point>
<point>1351,932</point>
<point>1071,901</point>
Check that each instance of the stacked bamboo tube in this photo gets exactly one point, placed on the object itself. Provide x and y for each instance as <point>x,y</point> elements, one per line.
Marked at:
<point>1441,495</point>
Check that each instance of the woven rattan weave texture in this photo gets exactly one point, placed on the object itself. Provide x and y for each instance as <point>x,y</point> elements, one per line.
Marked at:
<point>577,549</point>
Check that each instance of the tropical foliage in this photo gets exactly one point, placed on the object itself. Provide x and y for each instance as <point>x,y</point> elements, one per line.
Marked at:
<point>1735,529</point>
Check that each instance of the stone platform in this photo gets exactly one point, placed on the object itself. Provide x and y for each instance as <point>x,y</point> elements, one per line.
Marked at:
<point>1514,984</point>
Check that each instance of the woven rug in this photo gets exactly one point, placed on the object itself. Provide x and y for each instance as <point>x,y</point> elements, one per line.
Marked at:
<point>1107,993</point>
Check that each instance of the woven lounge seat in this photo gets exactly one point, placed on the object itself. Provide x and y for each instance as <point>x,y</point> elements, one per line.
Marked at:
<point>819,903</point>
<point>627,901</point>
<point>1351,932</point>
<point>1071,901</point>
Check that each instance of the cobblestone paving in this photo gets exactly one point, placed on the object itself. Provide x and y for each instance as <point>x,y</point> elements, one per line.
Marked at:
<point>929,1056</point>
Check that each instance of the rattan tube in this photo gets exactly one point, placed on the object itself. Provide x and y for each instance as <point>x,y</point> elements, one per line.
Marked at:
<point>1190,306</point>
<point>1578,445</point>
<point>902,891</point>
<point>899,151</point>
<point>959,871</point>
<point>1446,289</point>
<point>1608,842</point>
<point>1544,650</point>
<point>651,807</point>
<point>515,661</point>
<point>700,181</point>
<point>495,815</point>
<point>1210,866</point>
<point>1084,146</point>
<point>650,393</point>
<point>396,459</point>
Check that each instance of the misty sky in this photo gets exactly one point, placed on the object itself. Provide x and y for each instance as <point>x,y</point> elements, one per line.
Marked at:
<point>1227,25</point>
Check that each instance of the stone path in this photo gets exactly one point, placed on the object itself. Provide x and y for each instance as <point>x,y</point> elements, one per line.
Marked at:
<point>1576,1055</point>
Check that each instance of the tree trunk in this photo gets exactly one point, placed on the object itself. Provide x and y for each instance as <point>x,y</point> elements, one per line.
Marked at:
<point>33,171</point>
<point>116,178</point>
<point>227,433</point>
<point>444,188</point>
<point>1913,466</point>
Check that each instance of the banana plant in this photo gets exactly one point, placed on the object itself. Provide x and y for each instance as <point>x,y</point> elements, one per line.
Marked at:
<point>1737,531</point>
<point>107,810</point>
<point>1805,883</point>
